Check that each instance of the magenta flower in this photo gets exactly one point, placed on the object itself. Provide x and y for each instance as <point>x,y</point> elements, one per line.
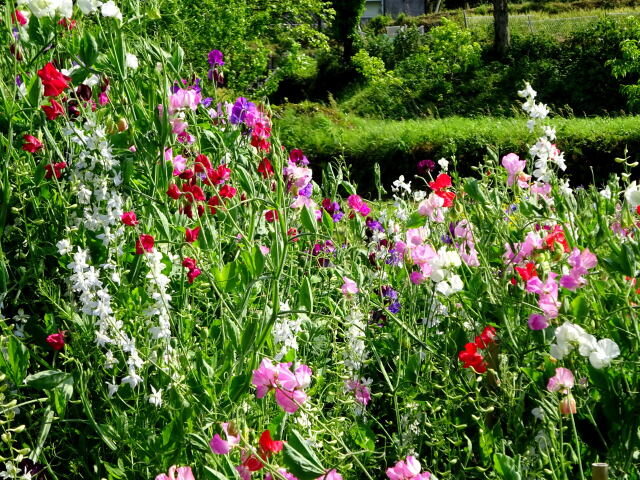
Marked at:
<point>215,57</point>
<point>222,447</point>
<point>562,381</point>
<point>547,294</point>
<point>538,322</point>
<point>581,263</point>
<point>331,475</point>
<point>409,469</point>
<point>359,205</point>
<point>360,390</point>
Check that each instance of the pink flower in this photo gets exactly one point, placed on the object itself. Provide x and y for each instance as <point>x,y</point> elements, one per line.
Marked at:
<point>144,243</point>
<point>183,473</point>
<point>432,207</point>
<point>417,278</point>
<point>562,381</point>
<point>103,99</point>
<point>349,287</point>
<point>56,340</point>
<point>515,169</point>
<point>264,250</point>
<point>284,473</point>
<point>407,470</point>
<point>179,164</point>
<point>288,385</point>
<point>356,203</point>
<point>331,475</point>
<point>184,100</point>
<point>581,263</point>
<point>222,447</point>
<point>547,294</point>
<point>360,390</point>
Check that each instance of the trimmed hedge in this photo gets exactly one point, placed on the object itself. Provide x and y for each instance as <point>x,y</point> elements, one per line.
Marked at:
<point>588,143</point>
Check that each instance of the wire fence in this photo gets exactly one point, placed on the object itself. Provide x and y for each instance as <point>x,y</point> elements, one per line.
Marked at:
<point>558,27</point>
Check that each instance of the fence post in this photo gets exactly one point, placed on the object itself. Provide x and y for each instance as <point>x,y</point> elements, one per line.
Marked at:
<point>599,471</point>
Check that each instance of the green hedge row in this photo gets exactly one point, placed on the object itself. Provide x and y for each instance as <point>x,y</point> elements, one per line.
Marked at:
<point>588,143</point>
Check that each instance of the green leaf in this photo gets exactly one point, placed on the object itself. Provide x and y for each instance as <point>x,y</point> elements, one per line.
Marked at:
<point>88,49</point>
<point>300,459</point>
<point>472,188</point>
<point>33,92</point>
<point>308,220</point>
<point>506,467</point>
<point>306,295</point>
<point>579,307</point>
<point>363,436</point>
<point>238,386</point>
<point>48,379</point>
<point>16,362</point>
<point>416,220</point>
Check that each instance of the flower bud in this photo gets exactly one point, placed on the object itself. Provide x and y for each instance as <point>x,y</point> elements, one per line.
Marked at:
<point>568,406</point>
<point>122,125</point>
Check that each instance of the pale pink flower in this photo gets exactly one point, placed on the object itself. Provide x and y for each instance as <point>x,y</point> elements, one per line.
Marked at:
<point>432,207</point>
<point>222,447</point>
<point>515,169</point>
<point>184,100</point>
<point>177,473</point>
<point>562,381</point>
<point>349,287</point>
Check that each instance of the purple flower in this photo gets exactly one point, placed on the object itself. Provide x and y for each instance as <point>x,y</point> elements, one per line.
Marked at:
<point>206,102</point>
<point>394,307</point>
<point>394,258</point>
<point>425,166</point>
<point>337,216</point>
<point>374,225</point>
<point>240,110</point>
<point>18,80</point>
<point>215,58</point>
<point>307,190</point>
<point>389,292</point>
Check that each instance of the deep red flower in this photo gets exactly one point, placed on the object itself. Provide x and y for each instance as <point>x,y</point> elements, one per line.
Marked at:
<point>67,23</point>
<point>446,196</point>
<point>56,340</point>
<point>54,82</point>
<point>253,463</point>
<point>527,272</point>
<point>269,445</point>
<point>265,168</point>
<point>218,175</point>
<point>638,209</point>
<point>213,203</point>
<point>192,274</point>
<point>227,191</point>
<point>557,236</point>
<point>191,235</point>
<point>31,144</point>
<point>189,263</point>
<point>129,218</point>
<point>202,163</point>
<point>187,174</point>
<point>260,143</point>
<point>297,156</point>
<point>56,169</point>
<point>174,192</point>
<point>441,182</point>
<point>145,242</point>
<point>54,110</point>
<point>486,338</point>
<point>271,215</point>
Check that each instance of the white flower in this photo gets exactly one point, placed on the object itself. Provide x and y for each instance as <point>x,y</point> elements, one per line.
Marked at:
<point>64,247</point>
<point>65,9</point>
<point>110,9</point>
<point>549,132</point>
<point>632,195</point>
<point>113,388</point>
<point>531,124</point>
<point>527,92</point>
<point>538,413</point>
<point>42,8</point>
<point>156,397</point>
<point>444,164</point>
<point>88,6</point>
<point>110,360</point>
<point>133,379</point>
<point>605,351</point>
<point>131,61</point>
<point>606,193</point>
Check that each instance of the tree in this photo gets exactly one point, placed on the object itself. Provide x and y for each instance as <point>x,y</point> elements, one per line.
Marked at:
<point>501,38</point>
<point>346,22</point>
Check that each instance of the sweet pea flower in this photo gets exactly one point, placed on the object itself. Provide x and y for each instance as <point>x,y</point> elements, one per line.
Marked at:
<point>56,340</point>
<point>191,234</point>
<point>222,447</point>
<point>562,381</point>
<point>129,218</point>
<point>331,475</point>
<point>177,473</point>
<point>349,287</point>
<point>515,169</point>
<point>287,385</point>
<point>604,352</point>
<point>409,469</point>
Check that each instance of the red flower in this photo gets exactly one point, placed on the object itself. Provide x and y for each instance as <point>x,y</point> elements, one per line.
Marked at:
<point>54,82</point>
<point>19,17</point>
<point>260,143</point>
<point>268,445</point>
<point>67,23</point>
<point>203,163</point>
<point>292,232</point>
<point>271,215</point>
<point>442,181</point>
<point>187,174</point>
<point>145,242</point>
<point>253,463</point>
<point>192,274</point>
<point>31,144</point>
<point>471,358</point>
<point>213,203</point>
<point>190,235</point>
<point>447,197</point>
<point>189,263</point>
<point>174,192</point>
<point>218,175</point>
<point>638,209</point>
<point>56,169</point>
<point>227,191</point>
<point>197,193</point>
<point>265,168</point>
<point>527,272</point>
<point>557,236</point>
<point>56,340</point>
<point>129,218</point>
<point>487,337</point>
<point>54,110</point>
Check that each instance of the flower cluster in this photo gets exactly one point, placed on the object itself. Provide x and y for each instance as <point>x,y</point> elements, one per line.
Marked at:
<point>569,336</point>
<point>408,469</point>
<point>288,386</point>
<point>470,356</point>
